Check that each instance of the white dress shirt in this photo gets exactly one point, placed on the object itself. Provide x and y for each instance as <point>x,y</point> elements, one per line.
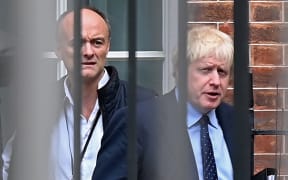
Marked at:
<point>6,157</point>
<point>62,139</point>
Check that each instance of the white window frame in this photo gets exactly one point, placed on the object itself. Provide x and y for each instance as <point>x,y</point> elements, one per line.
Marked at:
<point>170,39</point>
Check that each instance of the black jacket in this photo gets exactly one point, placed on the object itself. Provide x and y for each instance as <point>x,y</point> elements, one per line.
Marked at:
<point>112,97</point>
<point>164,148</point>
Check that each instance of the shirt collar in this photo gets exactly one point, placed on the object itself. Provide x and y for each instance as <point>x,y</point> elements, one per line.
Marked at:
<point>66,91</point>
<point>103,81</point>
<point>193,116</point>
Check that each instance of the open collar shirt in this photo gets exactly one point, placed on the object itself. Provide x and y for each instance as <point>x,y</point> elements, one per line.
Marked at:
<point>63,138</point>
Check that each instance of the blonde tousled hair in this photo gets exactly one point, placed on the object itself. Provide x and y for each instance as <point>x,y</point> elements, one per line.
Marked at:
<point>206,41</point>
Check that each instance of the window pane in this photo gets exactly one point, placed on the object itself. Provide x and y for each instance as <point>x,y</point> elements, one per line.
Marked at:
<point>149,23</point>
<point>148,74</point>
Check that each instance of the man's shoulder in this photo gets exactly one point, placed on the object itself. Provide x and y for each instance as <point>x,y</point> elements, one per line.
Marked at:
<point>142,93</point>
<point>59,83</point>
<point>225,107</point>
<point>225,111</point>
<point>145,93</point>
<point>58,86</point>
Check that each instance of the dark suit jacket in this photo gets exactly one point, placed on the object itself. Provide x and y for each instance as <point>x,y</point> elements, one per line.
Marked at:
<point>164,148</point>
<point>167,152</point>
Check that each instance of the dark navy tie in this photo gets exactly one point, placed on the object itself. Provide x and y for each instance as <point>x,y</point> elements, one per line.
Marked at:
<point>208,160</point>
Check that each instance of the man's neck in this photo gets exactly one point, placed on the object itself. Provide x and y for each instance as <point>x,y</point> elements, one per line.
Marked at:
<point>89,95</point>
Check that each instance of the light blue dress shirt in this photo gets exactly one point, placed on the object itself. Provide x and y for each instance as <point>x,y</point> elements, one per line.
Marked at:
<point>222,158</point>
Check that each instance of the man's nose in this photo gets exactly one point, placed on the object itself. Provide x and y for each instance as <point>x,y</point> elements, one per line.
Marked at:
<point>215,78</point>
<point>87,49</point>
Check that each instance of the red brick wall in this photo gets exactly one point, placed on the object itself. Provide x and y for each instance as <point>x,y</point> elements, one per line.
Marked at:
<point>268,61</point>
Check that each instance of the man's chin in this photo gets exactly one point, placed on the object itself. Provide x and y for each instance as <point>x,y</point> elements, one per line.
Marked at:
<point>211,106</point>
<point>88,76</point>
<point>88,72</point>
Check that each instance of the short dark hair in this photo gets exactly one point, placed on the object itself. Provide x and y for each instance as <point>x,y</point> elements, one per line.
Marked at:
<point>97,11</point>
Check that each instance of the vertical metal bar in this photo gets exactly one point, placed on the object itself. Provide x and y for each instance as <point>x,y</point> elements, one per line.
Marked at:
<point>132,133</point>
<point>32,100</point>
<point>251,121</point>
<point>76,92</point>
<point>182,47</point>
<point>1,140</point>
<point>184,154</point>
<point>241,56</point>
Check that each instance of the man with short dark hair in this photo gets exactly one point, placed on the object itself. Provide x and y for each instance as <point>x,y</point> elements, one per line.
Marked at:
<point>103,93</point>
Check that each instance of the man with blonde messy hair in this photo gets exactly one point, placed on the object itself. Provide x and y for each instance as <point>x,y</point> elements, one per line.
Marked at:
<point>202,145</point>
<point>177,152</point>
<point>210,62</point>
<point>181,148</point>
<point>207,48</point>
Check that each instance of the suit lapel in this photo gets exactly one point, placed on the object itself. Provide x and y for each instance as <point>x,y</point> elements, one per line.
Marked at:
<point>225,117</point>
<point>178,139</point>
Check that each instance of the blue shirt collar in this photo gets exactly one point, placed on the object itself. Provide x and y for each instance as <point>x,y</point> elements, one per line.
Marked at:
<point>193,115</point>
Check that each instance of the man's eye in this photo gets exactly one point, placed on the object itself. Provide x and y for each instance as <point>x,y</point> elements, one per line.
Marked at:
<point>205,70</point>
<point>97,42</point>
<point>222,72</point>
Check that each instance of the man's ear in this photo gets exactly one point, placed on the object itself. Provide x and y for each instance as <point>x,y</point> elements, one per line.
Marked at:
<point>108,49</point>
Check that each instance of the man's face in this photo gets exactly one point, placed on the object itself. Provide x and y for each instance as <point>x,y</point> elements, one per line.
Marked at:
<point>208,79</point>
<point>95,44</point>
